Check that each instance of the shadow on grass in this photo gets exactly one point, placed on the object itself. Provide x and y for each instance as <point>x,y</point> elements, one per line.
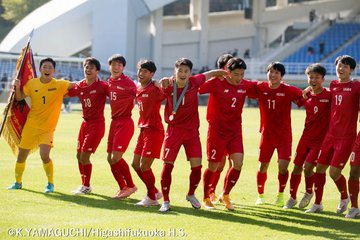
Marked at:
<point>327,224</point>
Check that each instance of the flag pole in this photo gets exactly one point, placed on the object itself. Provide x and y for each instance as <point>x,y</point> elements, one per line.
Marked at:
<point>11,98</point>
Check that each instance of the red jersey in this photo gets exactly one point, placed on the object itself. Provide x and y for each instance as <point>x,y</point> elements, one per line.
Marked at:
<point>187,115</point>
<point>275,109</point>
<point>318,107</point>
<point>122,94</point>
<point>344,108</point>
<point>225,104</point>
<point>92,98</point>
<point>149,101</point>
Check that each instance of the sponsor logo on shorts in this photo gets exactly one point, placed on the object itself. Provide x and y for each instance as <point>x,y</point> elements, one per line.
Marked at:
<point>119,147</point>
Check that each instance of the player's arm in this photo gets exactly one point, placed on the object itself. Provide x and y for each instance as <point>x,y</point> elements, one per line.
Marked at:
<point>19,94</point>
<point>220,73</point>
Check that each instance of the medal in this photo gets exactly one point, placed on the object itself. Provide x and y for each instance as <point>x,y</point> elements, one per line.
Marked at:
<point>177,102</point>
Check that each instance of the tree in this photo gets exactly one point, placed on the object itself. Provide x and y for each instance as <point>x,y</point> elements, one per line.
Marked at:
<point>16,10</point>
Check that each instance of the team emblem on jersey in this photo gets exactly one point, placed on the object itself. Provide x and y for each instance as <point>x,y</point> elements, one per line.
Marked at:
<point>226,90</point>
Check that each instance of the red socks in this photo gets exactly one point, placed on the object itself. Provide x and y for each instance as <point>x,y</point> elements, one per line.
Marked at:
<point>354,191</point>
<point>195,177</point>
<point>282,181</point>
<point>85,173</point>
<point>341,186</point>
<point>294,185</point>
<point>208,179</point>
<point>149,180</point>
<point>309,184</point>
<point>231,179</point>
<point>260,180</point>
<point>319,182</point>
<point>166,180</point>
<point>124,168</point>
<point>115,169</point>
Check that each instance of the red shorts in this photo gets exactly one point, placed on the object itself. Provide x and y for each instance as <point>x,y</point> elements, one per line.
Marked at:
<point>355,155</point>
<point>90,135</point>
<point>120,134</point>
<point>306,152</point>
<point>149,143</point>
<point>175,138</point>
<point>267,148</point>
<point>219,145</point>
<point>336,151</point>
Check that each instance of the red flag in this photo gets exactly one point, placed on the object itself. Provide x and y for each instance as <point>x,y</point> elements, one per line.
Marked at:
<point>16,117</point>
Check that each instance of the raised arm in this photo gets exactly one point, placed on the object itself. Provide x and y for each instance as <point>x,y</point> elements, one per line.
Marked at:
<point>215,73</point>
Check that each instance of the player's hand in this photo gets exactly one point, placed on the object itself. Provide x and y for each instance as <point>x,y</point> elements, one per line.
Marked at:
<point>16,83</point>
<point>164,82</point>
<point>305,92</point>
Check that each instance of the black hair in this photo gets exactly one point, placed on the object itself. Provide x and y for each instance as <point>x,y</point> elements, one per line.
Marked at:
<point>347,60</point>
<point>277,66</point>
<point>222,60</point>
<point>236,63</point>
<point>117,58</point>
<point>147,64</point>
<point>316,68</point>
<point>48,60</point>
<point>185,62</point>
<point>93,61</point>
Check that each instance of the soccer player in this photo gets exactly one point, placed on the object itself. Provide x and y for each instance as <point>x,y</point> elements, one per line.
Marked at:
<point>221,64</point>
<point>317,120</point>
<point>149,142</point>
<point>340,137</point>
<point>353,181</point>
<point>122,92</point>
<point>182,117</point>
<point>224,111</point>
<point>275,99</point>
<point>92,93</point>
<point>46,94</point>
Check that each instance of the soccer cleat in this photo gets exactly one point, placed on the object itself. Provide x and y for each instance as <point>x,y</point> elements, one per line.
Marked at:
<point>315,208</point>
<point>208,204</point>
<point>194,202</point>
<point>213,198</point>
<point>15,186</point>
<point>353,212</point>
<point>165,207</point>
<point>290,203</point>
<point>125,192</point>
<point>158,195</point>
<point>49,188</point>
<point>306,200</point>
<point>260,200</point>
<point>146,202</point>
<point>82,190</point>
<point>342,205</point>
<point>225,199</point>
<point>280,199</point>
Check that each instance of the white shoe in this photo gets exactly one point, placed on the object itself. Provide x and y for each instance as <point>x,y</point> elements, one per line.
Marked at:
<point>315,208</point>
<point>305,200</point>
<point>82,190</point>
<point>342,205</point>
<point>194,202</point>
<point>260,200</point>
<point>165,207</point>
<point>290,203</point>
<point>147,202</point>
<point>353,212</point>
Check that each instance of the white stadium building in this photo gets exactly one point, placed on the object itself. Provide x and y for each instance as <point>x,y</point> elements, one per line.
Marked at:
<point>164,30</point>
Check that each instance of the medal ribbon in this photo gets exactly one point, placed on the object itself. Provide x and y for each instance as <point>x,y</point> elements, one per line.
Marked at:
<point>176,104</point>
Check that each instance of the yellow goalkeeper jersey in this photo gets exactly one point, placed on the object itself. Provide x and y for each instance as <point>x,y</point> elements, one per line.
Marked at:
<point>46,101</point>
